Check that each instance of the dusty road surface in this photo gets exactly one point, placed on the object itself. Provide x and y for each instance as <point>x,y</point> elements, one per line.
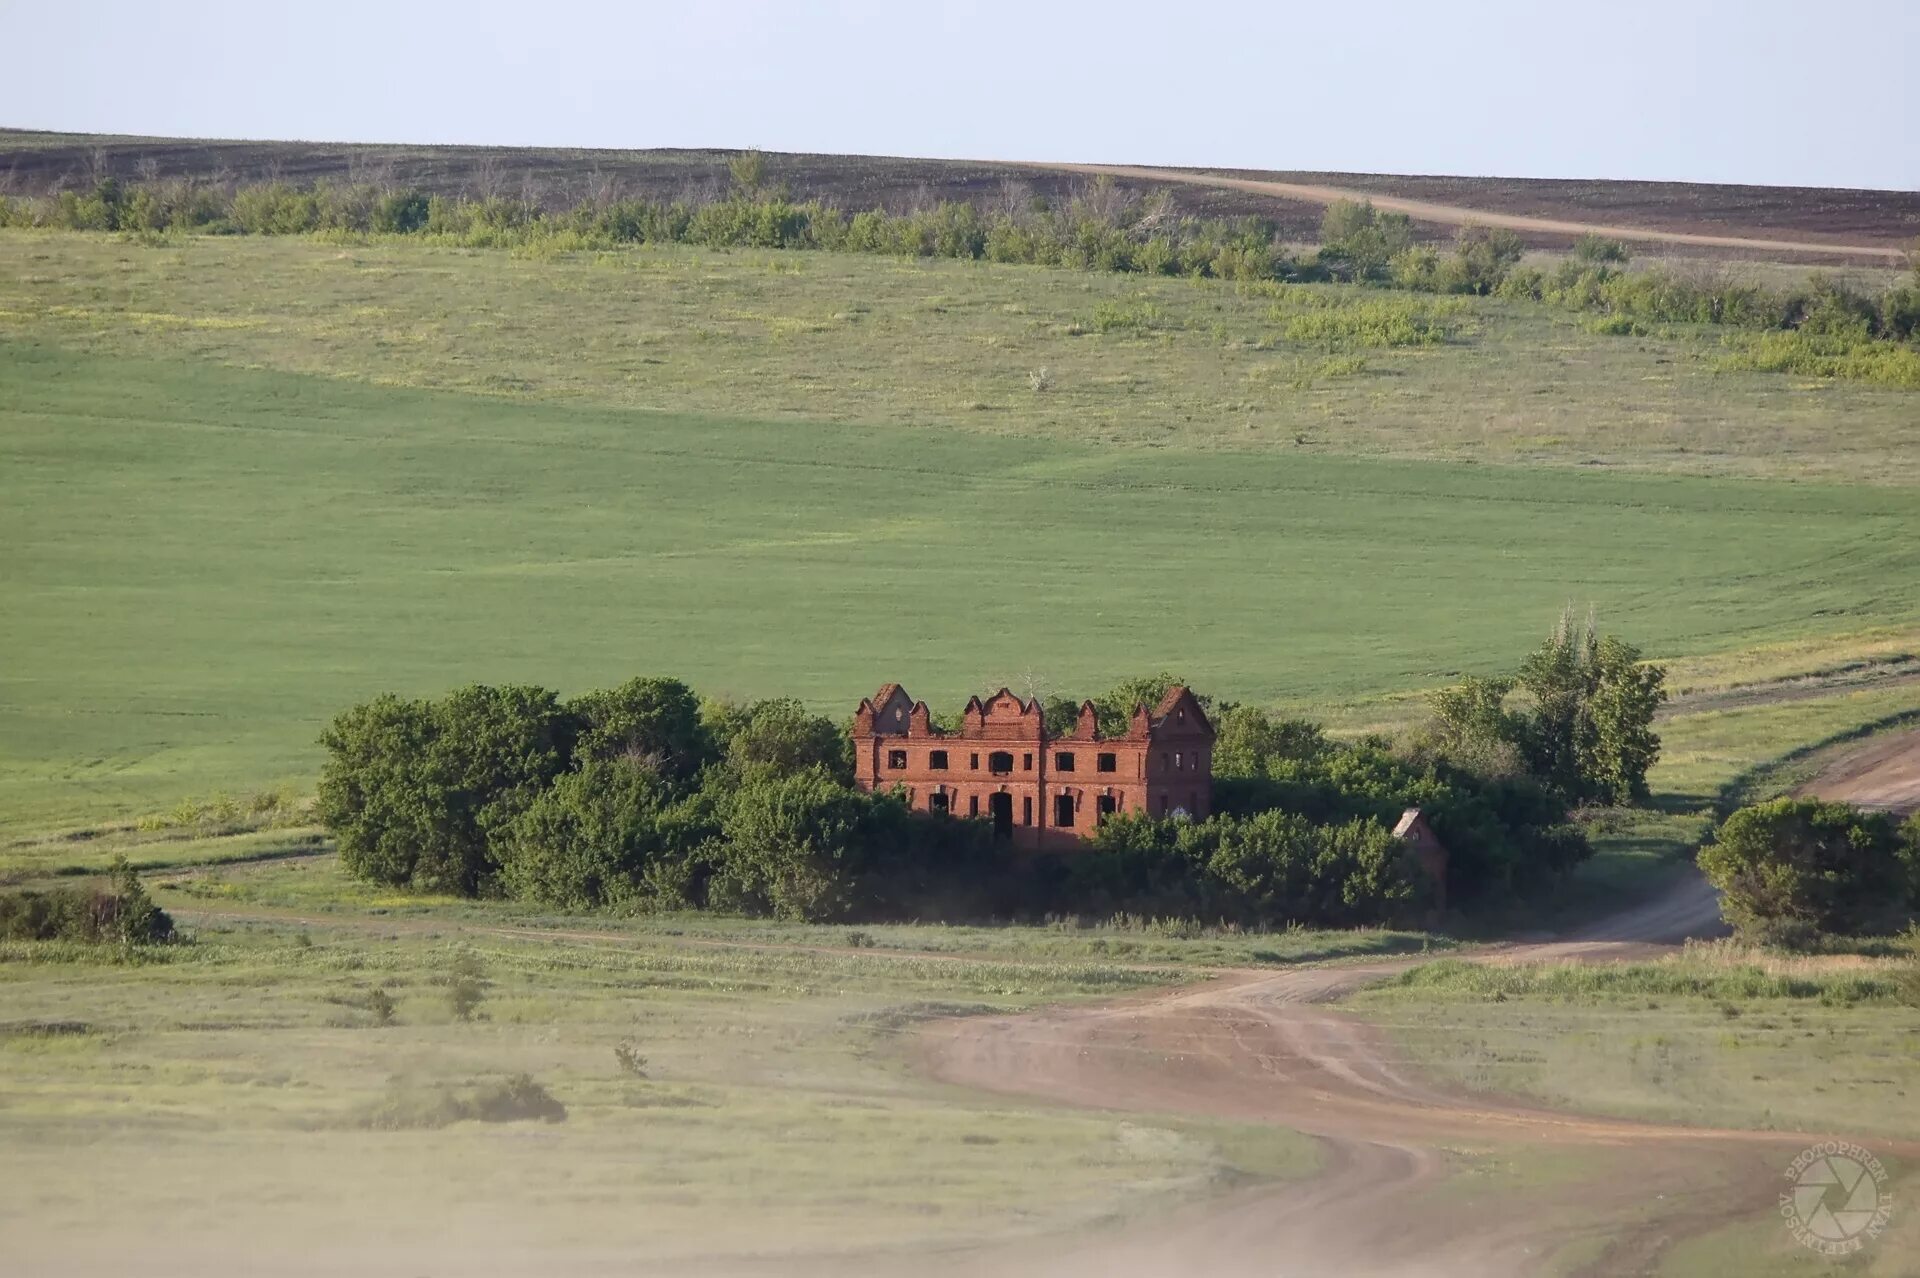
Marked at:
<point>1456,215</point>
<point>1884,774</point>
<point>1272,1048</point>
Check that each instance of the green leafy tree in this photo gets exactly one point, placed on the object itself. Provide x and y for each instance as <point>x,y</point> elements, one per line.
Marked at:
<point>417,791</point>
<point>1627,693</point>
<point>1590,729</point>
<point>650,722</point>
<point>1248,741</point>
<point>136,919</point>
<point>1559,734</point>
<point>794,845</point>
<point>1790,869</point>
<point>1471,718</point>
<point>1062,715</point>
<point>1359,242</point>
<point>466,985</point>
<point>1482,256</point>
<point>605,833</point>
<point>778,735</point>
<point>749,171</point>
<point>1115,710</point>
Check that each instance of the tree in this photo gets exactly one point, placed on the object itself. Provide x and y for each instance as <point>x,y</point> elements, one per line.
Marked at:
<point>654,723</point>
<point>1061,715</point>
<point>794,846</point>
<point>592,837</point>
<point>1627,693</point>
<point>1558,734</point>
<point>416,791</point>
<point>1482,256</point>
<point>748,169</point>
<point>137,920</point>
<point>1471,720</point>
<point>1792,868</point>
<point>1590,729</point>
<point>1358,242</point>
<point>778,735</point>
<point>1248,740</point>
<point>1115,710</point>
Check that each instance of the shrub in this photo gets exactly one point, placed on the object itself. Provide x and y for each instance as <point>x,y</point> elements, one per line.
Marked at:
<point>466,985</point>
<point>1357,242</point>
<point>777,735</point>
<point>1587,729</point>
<point>381,1005</point>
<point>1266,868</point>
<point>609,832</point>
<point>119,913</point>
<point>401,213</point>
<point>794,845</point>
<point>515,1098</point>
<point>627,1057</point>
<point>1790,868</point>
<point>1597,248</point>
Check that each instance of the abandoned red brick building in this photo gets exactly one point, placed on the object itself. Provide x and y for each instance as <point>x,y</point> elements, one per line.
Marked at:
<point>1039,790</point>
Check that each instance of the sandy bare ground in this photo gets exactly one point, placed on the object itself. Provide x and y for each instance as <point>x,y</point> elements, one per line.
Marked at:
<point>1884,774</point>
<point>1275,1047</point>
<point>1272,1048</point>
<point>1456,215</point>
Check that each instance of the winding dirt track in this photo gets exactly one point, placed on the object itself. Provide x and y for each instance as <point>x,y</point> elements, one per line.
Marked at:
<point>1884,774</point>
<point>1267,1047</point>
<point>1456,215</point>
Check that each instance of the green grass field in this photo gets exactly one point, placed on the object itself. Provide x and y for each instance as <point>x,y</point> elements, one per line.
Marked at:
<point>208,562</point>
<point>1718,1037</point>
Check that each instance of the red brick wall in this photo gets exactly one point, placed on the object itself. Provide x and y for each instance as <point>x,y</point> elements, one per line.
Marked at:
<point>1164,768</point>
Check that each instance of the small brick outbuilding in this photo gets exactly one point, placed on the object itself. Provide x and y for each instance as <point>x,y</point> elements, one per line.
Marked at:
<point>1428,850</point>
<point>1039,790</point>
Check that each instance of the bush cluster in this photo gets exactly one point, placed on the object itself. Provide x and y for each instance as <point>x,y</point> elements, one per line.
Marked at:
<point>1507,833</point>
<point>119,912</point>
<point>1791,869</point>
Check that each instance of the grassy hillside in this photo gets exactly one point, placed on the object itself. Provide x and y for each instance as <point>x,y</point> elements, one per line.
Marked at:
<point>211,561</point>
<point>1174,365</point>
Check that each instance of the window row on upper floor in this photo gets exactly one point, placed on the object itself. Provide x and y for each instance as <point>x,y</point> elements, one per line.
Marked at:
<point>1000,762</point>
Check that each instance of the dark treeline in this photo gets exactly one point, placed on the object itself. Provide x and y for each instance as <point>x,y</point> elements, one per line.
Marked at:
<point>646,797</point>
<point>1824,326</point>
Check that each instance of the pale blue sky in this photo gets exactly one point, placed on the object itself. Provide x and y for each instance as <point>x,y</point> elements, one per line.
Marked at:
<point>1767,91</point>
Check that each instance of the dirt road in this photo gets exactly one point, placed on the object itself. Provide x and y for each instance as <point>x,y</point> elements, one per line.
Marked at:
<point>1271,1048</point>
<point>1883,774</point>
<point>1455,215</point>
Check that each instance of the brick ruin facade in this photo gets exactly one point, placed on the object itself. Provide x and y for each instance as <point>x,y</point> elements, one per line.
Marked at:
<point>1039,790</point>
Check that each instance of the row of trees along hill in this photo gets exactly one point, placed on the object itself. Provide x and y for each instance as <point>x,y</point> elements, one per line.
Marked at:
<point>647,797</point>
<point>1824,327</point>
